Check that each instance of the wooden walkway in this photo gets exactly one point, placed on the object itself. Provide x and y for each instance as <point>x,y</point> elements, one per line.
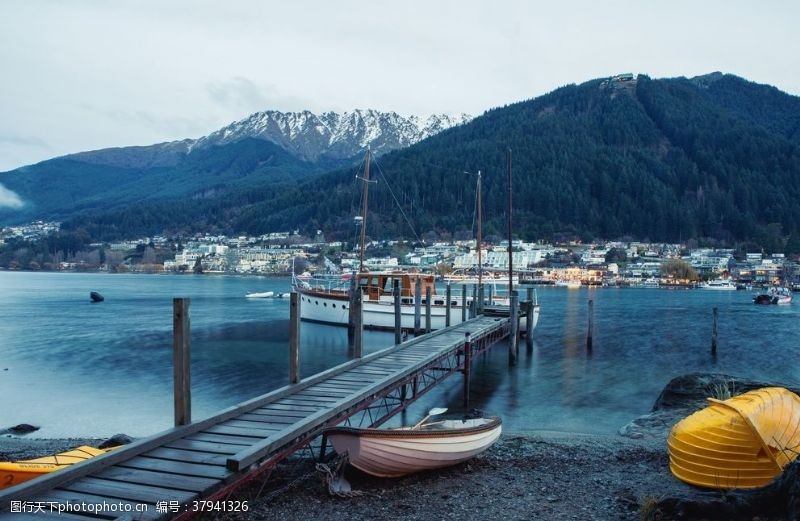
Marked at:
<point>207,458</point>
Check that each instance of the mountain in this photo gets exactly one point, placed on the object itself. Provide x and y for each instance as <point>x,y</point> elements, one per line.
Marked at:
<point>332,135</point>
<point>672,159</point>
<point>266,147</point>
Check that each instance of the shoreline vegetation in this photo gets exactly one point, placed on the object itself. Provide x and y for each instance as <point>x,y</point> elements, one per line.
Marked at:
<point>526,475</point>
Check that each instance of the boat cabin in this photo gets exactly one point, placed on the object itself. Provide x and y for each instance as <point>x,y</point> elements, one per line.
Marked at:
<point>377,285</point>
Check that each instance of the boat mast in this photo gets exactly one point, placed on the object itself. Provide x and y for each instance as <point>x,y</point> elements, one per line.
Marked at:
<point>364,213</point>
<point>480,238</point>
<point>510,253</point>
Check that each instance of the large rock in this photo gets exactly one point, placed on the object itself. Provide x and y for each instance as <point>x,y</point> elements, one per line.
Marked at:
<point>686,394</point>
<point>19,430</point>
<point>115,441</point>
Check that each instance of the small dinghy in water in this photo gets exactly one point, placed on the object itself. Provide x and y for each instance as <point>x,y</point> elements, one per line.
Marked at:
<point>96,297</point>
<point>392,453</point>
<point>743,442</point>
<point>264,294</point>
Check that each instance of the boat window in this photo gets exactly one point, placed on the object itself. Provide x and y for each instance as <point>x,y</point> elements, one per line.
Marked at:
<point>316,302</point>
<point>334,306</point>
<point>454,303</point>
<point>374,281</point>
<point>438,302</point>
<point>363,281</point>
<point>325,304</point>
<point>387,285</point>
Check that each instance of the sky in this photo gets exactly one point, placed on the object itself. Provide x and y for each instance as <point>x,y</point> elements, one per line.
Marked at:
<point>81,75</point>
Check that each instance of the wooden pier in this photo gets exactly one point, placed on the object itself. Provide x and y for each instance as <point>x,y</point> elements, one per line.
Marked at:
<point>162,476</point>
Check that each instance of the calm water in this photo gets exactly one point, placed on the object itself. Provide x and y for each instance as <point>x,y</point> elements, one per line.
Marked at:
<point>81,369</point>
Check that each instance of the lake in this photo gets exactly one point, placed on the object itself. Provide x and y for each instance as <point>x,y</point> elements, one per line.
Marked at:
<point>79,369</point>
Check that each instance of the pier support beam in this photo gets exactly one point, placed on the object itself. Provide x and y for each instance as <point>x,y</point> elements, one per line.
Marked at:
<point>491,295</point>
<point>294,338</point>
<point>428,309</point>
<point>463,303</point>
<point>467,366</point>
<point>715,315</point>
<point>358,334</point>
<point>398,317</point>
<point>481,296</point>
<point>529,322</point>
<point>417,306</point>
<point>513,336</point>
<point>448,305</point>
<point>351,317</point>
<point>473,309</point>
<point>590,328</point>
<point>181,361</point>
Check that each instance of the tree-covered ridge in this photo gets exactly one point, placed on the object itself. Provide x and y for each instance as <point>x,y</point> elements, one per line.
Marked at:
<point>666,160</point>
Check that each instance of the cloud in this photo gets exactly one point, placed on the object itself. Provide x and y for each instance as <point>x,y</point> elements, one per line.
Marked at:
<point>24,141</point>
<point>9,199</point>
<point>241,95</point>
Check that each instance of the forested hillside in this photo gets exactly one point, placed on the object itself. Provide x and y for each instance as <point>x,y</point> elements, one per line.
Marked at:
<point>667,159</point>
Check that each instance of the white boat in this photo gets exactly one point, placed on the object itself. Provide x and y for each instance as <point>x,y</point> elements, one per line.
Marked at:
<point>774,296</point>
<point>264,294</point>
<point>392,453</point>
<point>572,284</point>
<point>328,302</point>
<point>719,285</point>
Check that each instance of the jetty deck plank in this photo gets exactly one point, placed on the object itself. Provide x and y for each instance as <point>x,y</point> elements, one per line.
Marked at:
<point>197,460</point>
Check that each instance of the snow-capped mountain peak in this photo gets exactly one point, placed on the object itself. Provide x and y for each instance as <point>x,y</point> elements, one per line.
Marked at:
<point>331,134</point>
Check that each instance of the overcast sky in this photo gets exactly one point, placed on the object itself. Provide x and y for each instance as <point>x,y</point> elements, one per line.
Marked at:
<point>82,75</point>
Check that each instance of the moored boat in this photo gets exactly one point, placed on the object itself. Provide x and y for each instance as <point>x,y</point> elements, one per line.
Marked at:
<point>263,294</point>
<point>774,296</point>
<point>16,472</point>
<point>742,442</point>
<point>396,452</point>
<point>719,285</point>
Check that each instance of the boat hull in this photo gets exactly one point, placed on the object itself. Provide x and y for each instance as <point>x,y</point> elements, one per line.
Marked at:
<point>16,472</point>
<point>395,453</point>
<point>333,309</point>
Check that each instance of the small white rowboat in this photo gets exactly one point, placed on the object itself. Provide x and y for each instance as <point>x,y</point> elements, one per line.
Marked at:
<point>392,453</point>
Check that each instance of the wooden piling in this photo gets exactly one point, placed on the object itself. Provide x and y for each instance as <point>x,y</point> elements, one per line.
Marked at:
<point>358,334</point>
<point>294,338</point>
<point>481,296</point>
<point>448,305</point>
<point>590,329</point>
<point>529,321</point>
<point>463,303</point>
<point>467,366</point>
<point>715,315</point>
<point>398,326</point>
<point>491,295</point>
<point>428,309</point>
<point>417,306</point>
<point>513,340</point>
<point>351,317</point>
<point>181,361</point>
<point>473,308</point>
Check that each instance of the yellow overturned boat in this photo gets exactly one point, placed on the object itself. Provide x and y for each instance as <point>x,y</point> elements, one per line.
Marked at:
<point>742,442</point>
<point>15,472</point>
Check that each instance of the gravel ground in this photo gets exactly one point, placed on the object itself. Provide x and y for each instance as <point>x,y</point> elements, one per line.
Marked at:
<point>540,475</point>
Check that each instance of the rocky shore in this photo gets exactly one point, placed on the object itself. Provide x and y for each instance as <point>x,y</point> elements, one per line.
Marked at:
<point>530,475</point>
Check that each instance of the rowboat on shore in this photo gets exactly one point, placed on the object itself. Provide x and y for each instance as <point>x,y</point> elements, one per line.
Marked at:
<point>15,472</point>
<point>392,453</point>
<point>743,442</point>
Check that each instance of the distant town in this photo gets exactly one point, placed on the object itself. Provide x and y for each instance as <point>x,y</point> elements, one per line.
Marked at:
<point>608,263</point>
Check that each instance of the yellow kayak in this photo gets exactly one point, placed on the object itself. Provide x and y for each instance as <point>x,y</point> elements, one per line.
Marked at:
<point>743,442</point>
<point>15,472</point>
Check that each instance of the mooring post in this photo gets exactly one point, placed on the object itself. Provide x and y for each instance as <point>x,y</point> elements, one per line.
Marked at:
<point>714,332</point>
<point>474,307</point>
<point>351,316</point>
<point>491,295</point>
<point>529,321</point>
<point>481,296</point>
<point>294,338</point>
<point>463,303</point>
<point>398,326</point>
<point>590,329</point>
<point>181,361</point>
<point>358,340</point>
<point>428,309</point>
<point>514,334</point>
<point>417,305</point>
<point>448,305</point>
<point>467,366</point>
